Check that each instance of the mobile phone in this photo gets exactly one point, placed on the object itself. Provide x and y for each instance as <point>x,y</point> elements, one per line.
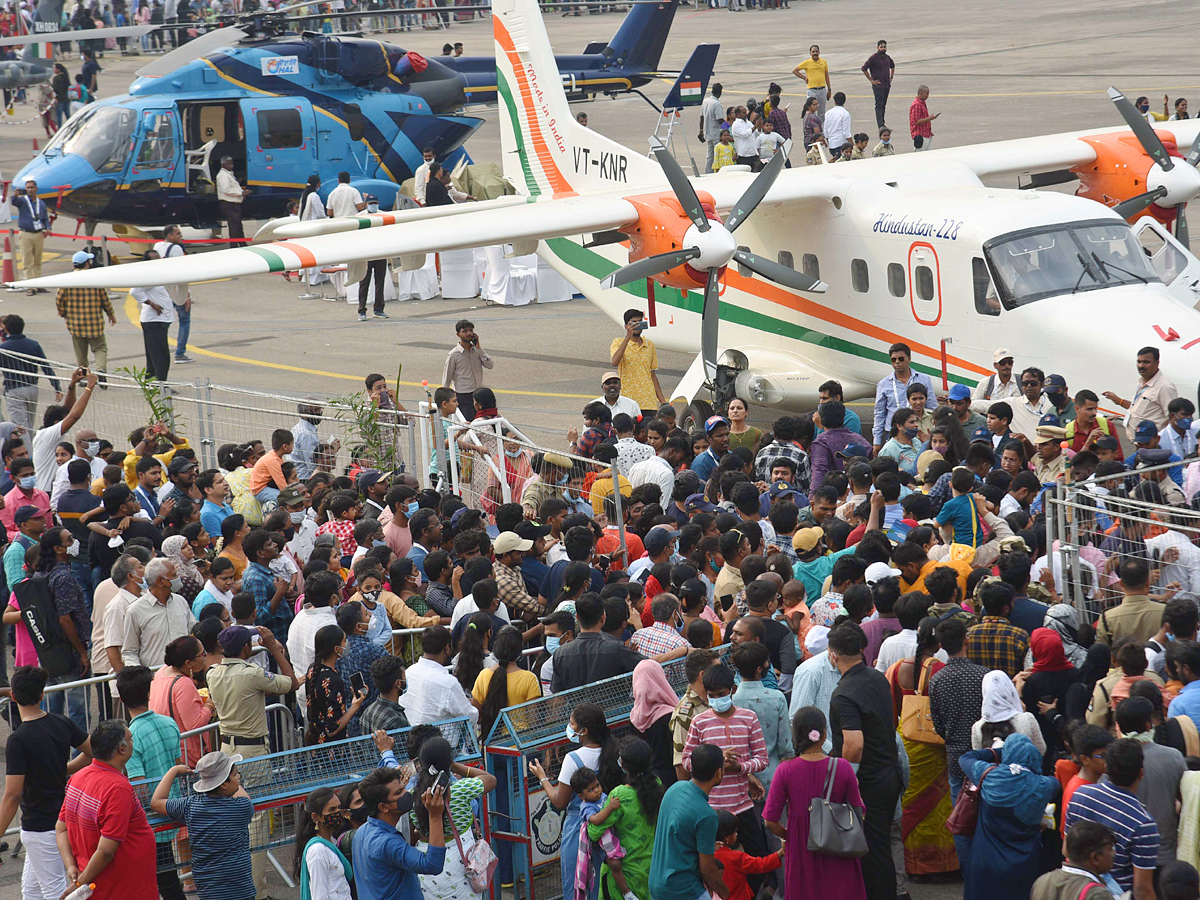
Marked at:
<point>641,326</point>
<point>358,683</point>
<point>726,601</point>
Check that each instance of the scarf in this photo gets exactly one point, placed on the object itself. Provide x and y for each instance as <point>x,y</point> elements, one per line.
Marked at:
<point>653,696</point>
<point>1048,655</point>
<point>1099,659</point>
<point>488,412</point>
<point>1000,700</point>
<point>193,581</point>
<point>347,870</point>
<point>1064,618</point>
<point>1017,783</point>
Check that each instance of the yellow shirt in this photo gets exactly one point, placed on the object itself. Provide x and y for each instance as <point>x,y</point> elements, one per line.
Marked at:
<point>722,156</point>
<point>131,462</point>
<point>603,487</point>
<point>817,71</point>
<point>522,686</point>
<point>635,368</point>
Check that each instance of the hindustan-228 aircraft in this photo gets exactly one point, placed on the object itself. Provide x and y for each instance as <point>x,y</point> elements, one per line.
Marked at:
<point>813,272</point>
<point>285,106</point>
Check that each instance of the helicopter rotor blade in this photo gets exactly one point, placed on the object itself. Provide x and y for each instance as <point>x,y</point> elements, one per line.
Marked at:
<point>193,49</point>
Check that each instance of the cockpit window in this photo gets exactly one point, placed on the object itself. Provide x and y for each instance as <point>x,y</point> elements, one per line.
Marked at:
<point>1064,259</point>
<point>103,137</point>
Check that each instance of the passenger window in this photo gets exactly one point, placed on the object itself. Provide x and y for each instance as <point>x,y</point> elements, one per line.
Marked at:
<point>924,279</point>
<point>356,122</point>
<point>812,267</point>
<point>896,285</point>
<point>279,129</point>
<point>986,301</point>
<point>859,278</point>
<point>785,259</point>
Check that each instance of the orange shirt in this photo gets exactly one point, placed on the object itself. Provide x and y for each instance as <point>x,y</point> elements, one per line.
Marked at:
<point>962,567</point>
<point>268,469</point>
<point>1068,792</point>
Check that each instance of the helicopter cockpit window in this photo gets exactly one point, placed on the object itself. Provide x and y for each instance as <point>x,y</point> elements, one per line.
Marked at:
<point>103,138</point>
<point>279,129</point>
<point>1065,259</point>
<point>157,149</point>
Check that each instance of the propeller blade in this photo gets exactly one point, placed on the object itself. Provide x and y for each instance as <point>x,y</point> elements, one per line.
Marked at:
<point>1193,156</point>
<point>649,267</point>
<point>1181,226</point>
<point>1140,127</point>
<point>678,180</point>
<point>1135,205</point>
<point>710,321</point>
<point>780,274</point>
<point>755,193</point>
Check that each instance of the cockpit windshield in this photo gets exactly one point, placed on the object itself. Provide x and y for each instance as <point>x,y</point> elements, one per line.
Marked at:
<point>103,136</point>
<point>1064,259</point>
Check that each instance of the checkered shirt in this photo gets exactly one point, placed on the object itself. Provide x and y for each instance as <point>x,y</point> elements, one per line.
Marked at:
<point>343,529</point>
<point>657,639</point>
<point>790,452</point>
<point>511,586</point>
<point>996,644</point>
<point>84,309</point>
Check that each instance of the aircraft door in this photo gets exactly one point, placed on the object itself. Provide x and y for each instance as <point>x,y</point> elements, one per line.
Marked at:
<point>924,283</point>
<point>1171,261</point>
<point>280,141</point>
<point>157,151</point>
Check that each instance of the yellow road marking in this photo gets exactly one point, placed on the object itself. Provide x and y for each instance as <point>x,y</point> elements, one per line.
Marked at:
<point>132,314</point>
<point>1171,89</point>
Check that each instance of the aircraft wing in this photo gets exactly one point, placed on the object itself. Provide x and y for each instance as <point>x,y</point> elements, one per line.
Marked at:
<point>532,221</point>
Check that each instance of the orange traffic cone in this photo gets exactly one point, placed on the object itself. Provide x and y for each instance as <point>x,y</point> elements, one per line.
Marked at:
<point>35,146</point>
<point>9,275</point>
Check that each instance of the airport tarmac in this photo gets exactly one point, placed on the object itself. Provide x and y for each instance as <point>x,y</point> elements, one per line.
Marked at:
<point>996,71</point>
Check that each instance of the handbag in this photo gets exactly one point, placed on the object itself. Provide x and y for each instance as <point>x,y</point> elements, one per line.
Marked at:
<point>835,829</point>
<point>962,819</point>
<point>480,864</point>
<point>916,720</point>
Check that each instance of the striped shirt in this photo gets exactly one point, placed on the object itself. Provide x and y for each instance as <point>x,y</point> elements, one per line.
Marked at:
<point>155,749</point>
<point>219,830</point>
<point>1137,835</point>
<point>741,733</point>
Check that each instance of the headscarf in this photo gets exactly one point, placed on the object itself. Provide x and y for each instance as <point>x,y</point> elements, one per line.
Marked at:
<point>1000,700</point>
<point>1048,655</point>
<point>6,430</point>
<point>1064,619</point>
<point>1017,783</point>
<point>193,581</point>
<point>653,696</point>
<point>1096,666</point>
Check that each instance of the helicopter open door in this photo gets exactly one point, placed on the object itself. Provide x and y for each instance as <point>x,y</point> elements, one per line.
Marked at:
<point>157,153</point>
<point>281,146</point>
<point>1171,261</point>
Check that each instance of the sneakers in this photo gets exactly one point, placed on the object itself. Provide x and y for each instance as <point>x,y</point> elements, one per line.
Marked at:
<point>184,359</point>
<point>381,315</point>
<point>362,317</point>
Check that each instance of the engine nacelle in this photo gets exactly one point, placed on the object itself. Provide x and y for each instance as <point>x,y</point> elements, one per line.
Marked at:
<point>783,380</point>
<point>1121,171</point>
<point>660,228</point>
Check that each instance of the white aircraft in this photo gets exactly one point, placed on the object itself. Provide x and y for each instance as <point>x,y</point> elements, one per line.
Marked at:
<point>833,263</point>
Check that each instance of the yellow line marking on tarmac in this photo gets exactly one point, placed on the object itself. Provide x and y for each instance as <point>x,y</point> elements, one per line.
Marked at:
<point>132,314</point>
<point>1181,87</point>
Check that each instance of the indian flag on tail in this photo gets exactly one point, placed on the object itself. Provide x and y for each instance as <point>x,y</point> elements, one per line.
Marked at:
<point>690,93</point>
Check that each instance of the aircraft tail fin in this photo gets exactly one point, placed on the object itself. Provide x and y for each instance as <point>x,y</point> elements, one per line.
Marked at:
<point>47,19</point>
<point>639,41</point>
<point>545,151</point>
<point>692,84</point>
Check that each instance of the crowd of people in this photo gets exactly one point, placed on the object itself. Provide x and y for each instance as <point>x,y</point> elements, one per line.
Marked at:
<point>866,615</point>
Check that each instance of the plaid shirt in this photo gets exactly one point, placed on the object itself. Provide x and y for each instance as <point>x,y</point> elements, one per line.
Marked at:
<point>357,657</point>
<point>155,750</point>
<point>996,644</point>
<point>382,714</point>
<point>511,586</point>
<point>260,581</point>
<point>592,438</point>
<point>790,452</point>
<point>657,639</point>
<point>919,110</point>
<point>84,309</point>
<point>343,529</point>
<point>941,492</point>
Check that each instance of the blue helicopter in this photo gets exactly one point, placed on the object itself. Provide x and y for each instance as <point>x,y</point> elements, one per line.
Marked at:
<point>286,106</point>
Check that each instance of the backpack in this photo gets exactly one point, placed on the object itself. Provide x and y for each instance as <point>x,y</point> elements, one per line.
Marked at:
<point>40,617</point>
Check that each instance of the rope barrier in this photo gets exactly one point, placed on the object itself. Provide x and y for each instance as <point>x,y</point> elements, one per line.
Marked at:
<point>34,118</point>
<point>134,240</point>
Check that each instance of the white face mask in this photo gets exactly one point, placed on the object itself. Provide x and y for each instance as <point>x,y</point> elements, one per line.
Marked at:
<point>73,550</point>
<point>297,517</point>
<point>176,584</point>
<point>91,448</point>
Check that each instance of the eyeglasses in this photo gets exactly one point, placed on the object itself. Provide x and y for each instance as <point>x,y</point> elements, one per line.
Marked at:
<point>1028,383</point>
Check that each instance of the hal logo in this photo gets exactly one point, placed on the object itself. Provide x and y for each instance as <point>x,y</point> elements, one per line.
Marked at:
<point>280,65</point>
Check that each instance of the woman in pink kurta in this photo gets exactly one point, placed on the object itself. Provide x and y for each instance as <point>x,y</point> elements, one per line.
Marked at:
<point>173,694</point>
<point>808,876</point>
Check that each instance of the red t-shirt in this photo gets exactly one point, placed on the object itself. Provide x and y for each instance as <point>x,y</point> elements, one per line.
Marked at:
<point>1076,782</point>
<point>737,865</point>
<point>100,803</point>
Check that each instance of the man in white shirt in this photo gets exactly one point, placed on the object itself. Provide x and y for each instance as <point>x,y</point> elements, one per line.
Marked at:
<point>57,421</point>
<point>629,449</point>
<point>838,130</point>
<point>230,194</point>
<point>157,312</point>
<point>1179,435</point>
<point>319,589</point>
<point>1000,386</point>
<point>421,176</point>
<point>344,200</point>
<point>745,145</point>
<point>1029,408</point>
<point>910,609</point>
<point>87,448</point>
<point>433,694</point>
<point>171,247</point>
<point>610,383</point>
<point>661,469</point>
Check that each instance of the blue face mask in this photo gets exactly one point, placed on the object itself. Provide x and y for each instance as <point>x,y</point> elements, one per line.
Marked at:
<point>411,509</point>
<point>29,482</point>
<point>1184,424</point>
<point>378,543</point>
<point>565,478</point>
<point>572,734</point>
<point>1170,637</point>
<point>721,704</point>
<point>552,644</point>
<point>910,432</point>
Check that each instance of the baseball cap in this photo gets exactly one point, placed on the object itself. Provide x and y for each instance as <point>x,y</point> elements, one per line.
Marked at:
<point>1055,384</point>
<point>1145,432</point>
<point>854,450</point>
<point>981,434</point>
<point>509,541</point>
<point>530,531</point>
<point>658,538</point>
<point>180,464</point>
<point>806,538</point>
<point>713,421</point>
<point>878,571</point>
<point>458,515</point>
<point>1013,543</point>
<point>782,489</point>
<point>690,478</point>
<point>1001,353</point>
<point>1108,442</point>
<point>697,503</point>
<point>213,770</point>
<point>926,458</point>
<point>368,477</point>
<point>1049,419</point>
<point>233,639</point>
<point>290,496</point>
<point>24,514</point>
<point>607,375</point>
<point>960,392</point>
<point>82,256</point>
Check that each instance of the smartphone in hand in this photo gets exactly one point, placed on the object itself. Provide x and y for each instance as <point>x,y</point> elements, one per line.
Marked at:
<point>358,683</point>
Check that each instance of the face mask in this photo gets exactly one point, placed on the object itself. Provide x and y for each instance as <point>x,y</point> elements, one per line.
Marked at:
<point>73,550</point>
<point>572,734</point>
<point>721,704</point>
<point>335,820</point>
<point>296,517</point>
<point>568,496</point>
<point>512,454</point>
<point>91,448</point>
<point>404,803</point>
<point>1184,424</point>
<point>411,509</point>
<point>28,482</point>
<point>1170,637</point>
<point>358,816</point>
<point>910,432</point>
<point>552,644</point>
<point>564,479</point>
<point>145,586</point>
<point>371,595</point>
<point>176,584</point>
<point>378,544</point>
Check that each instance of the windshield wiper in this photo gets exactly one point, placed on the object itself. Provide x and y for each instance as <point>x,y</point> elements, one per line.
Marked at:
<point>1104,267</point>
<point>1083,271</point>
